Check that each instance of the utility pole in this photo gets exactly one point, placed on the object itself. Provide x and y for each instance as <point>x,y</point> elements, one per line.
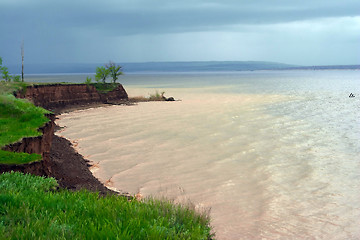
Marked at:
<point>22,61</point>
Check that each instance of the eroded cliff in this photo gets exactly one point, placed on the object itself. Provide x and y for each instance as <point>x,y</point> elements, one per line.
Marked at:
<point>61,95</point>
<point>52,97</point>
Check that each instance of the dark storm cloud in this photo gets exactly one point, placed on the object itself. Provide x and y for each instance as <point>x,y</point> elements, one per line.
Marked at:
<point>69,30</point>
<point>138,17</point>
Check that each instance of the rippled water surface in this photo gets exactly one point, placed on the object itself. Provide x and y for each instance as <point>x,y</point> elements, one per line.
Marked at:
<point>275,155</point>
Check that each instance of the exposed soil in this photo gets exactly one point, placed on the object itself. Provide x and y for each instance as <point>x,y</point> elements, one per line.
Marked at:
<point>53,96</point>
<point>70,169</point>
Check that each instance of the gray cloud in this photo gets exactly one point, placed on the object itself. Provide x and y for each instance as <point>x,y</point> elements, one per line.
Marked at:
<point>68,30</point>
<point>125,17</point>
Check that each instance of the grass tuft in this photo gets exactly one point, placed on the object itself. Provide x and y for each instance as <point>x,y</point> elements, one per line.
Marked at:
<point>157,96</point>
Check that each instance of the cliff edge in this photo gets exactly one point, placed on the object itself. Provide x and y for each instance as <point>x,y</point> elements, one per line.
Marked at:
<point>54,96</point>
<point>59,160</point>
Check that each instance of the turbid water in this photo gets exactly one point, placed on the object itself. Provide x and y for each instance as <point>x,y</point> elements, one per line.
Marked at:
<point>273,154</point>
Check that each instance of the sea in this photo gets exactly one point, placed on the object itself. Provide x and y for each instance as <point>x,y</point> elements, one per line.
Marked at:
<point>267,154</point>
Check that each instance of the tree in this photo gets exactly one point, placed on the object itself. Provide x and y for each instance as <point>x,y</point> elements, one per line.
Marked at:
<point>101,74</point>
<point>5,74</point>
<point>16,78</point>
<point>114,70</point>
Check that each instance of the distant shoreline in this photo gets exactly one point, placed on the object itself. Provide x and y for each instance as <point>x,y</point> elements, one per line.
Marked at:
<point>45,75</point>
<point>170,67</point>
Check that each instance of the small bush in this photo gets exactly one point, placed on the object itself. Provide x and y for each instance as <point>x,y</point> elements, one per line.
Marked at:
<point>16,78</point>
<point>157,96</point>
<point>88,80</point>
<point>152,97</point>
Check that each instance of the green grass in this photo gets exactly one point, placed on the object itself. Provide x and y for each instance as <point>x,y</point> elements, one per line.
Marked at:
<point>104,87</point>
<point>18,119</point>
<point>18,158</point>
<point>31,208</point>
<point>10,87</point>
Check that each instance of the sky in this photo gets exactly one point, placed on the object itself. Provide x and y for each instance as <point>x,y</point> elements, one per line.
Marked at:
<point>301,32</point>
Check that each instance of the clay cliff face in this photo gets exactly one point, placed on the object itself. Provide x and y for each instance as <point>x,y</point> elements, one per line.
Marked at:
<point>62,95</point>
<point>115,95</point>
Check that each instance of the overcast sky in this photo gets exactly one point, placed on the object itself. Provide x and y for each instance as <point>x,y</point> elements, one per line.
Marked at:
<point>304,32</point>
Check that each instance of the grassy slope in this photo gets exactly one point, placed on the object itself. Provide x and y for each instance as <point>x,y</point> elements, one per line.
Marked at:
<point>31,209</point>
<point>18,119</point>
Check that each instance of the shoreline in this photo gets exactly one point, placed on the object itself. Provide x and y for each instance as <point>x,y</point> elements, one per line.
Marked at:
<point>71,169</point>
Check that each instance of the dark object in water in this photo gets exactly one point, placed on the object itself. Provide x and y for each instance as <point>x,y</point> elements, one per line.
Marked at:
<point>351,95</point>
<point>170,99</point>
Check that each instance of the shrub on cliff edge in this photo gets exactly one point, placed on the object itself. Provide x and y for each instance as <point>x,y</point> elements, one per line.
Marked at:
<point>101,74</point>
<point>114,70</point>
<point>110,69</point>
